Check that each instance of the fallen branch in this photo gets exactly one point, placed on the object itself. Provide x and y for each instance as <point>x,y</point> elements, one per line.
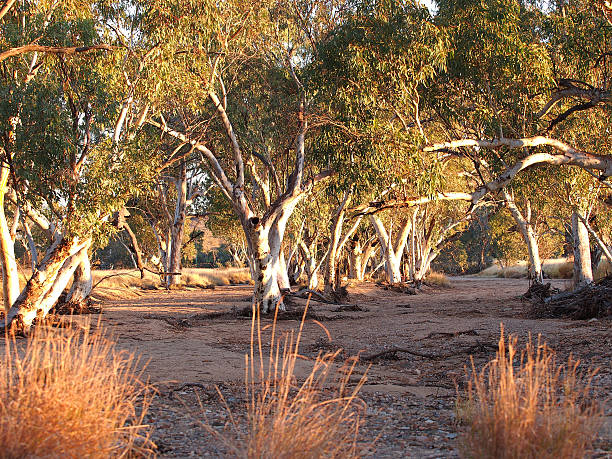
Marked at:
<point>391,353</point>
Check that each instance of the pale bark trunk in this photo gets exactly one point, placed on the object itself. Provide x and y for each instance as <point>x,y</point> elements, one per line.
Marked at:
<point>178,228</point>
<point>31,245</point>
<point>392,253</point>
<point>355,260</point>
<point>62,278</point>
<point>10,275</point>
<point>27,305</point>
<point>282,273</point>
<point>266,294</point>
<point>337,222</point>
<point>368,253</point>
<point>583,272</point>
<point>82,282</point>
<point>526,228</point>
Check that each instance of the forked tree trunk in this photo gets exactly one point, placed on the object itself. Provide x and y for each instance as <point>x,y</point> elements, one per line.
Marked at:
<point>583,272</point>
<point>10,275</point>
<point>42,286</point>
<point>526,228</point>
<point>392,252</point>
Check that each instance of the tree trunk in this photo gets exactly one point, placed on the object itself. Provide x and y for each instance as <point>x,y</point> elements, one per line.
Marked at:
<point>266,294</point>
<point>282,273</point>
<point>64,274</point>
<point>178,228</point>
<point>392,253</point>
<point>10,275</point>
<point>526,228</point>
<point>355,260</point>
<point>82,281</point>
<point>40,286</point>
<point>583,273</point>
<point>332,253</point>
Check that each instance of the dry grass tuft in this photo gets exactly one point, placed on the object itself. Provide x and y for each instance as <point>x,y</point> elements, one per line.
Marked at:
<point>437,279</point>
<point>319,417</point>
<point>69,393</point>
<point>528,407</point>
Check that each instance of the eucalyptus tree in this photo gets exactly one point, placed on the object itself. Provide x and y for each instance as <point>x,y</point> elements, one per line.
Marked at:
<point>560,71</point>
<point>226,81</point>
<point>61,118</point>
<point>371,69</point>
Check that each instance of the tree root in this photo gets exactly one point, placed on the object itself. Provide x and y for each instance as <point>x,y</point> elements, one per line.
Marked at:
<point>588,302</point>
<point>391,354</point>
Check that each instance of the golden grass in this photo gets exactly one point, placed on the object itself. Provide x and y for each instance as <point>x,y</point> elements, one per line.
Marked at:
<point>69,393</point>
<point>553,268</point>
<point>126,283</point>
<point>528,407</point>
<point>317,418</point>
<point>437,279</point>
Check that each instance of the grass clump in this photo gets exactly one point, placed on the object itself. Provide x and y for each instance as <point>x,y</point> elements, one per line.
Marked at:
<point>317,418</point>
<point>437,279</point>
<point>69,393</point>
<point>528,406</point>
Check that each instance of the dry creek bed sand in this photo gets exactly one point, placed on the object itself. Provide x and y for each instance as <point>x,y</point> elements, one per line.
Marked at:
<point>410,398</point>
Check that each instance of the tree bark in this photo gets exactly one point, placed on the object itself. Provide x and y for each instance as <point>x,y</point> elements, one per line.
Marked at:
<point>583,272</point>
<point>82,281</point>
<point>526,228</point>
<point>392,252</point>
<point>27,305</point>
<point>178,228</point>
<point>10,274</point>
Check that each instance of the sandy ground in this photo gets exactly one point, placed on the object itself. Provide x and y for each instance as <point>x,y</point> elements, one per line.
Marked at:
<point>410,398</point>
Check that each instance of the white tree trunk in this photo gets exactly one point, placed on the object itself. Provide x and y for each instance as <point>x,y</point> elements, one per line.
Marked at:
<point>82,281</point>
<point>178,228</point>
<point>10,275</point>
<point>526,228</point>
<point>583,272</point>
<point>266,294</point>
<point>62,278</point>
<point>283,275</point>
<point>392,253</point>
<point>41,284</point>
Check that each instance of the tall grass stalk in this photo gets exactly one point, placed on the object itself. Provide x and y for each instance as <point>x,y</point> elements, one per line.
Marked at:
<point>69,393</point>
<point>528,406</point>
<point>319,417</point>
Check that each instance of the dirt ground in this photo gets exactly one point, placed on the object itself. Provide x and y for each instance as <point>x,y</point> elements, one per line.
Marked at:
<point>410,398</point>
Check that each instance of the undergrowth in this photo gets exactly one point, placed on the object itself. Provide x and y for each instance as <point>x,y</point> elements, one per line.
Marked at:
<point>528,406</point>
<point>319,417</point>
<point>69,393</point>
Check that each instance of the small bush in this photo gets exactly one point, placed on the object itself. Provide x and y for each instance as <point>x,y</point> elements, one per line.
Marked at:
<point>528,407</point>
<point>69,393</point>
<point>287,419</point>
<point>437,279</point>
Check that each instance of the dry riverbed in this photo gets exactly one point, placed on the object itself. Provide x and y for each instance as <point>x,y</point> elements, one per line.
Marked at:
<point>192,347</point>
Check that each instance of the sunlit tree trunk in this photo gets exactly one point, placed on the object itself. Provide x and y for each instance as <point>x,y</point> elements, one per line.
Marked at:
<point>82,281</point>
<point>10,275</point>
<point>42,287</point>
<point>178,228</point>
<point>526,228</point>
<point>391,252</point>
<point>583,272</point>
